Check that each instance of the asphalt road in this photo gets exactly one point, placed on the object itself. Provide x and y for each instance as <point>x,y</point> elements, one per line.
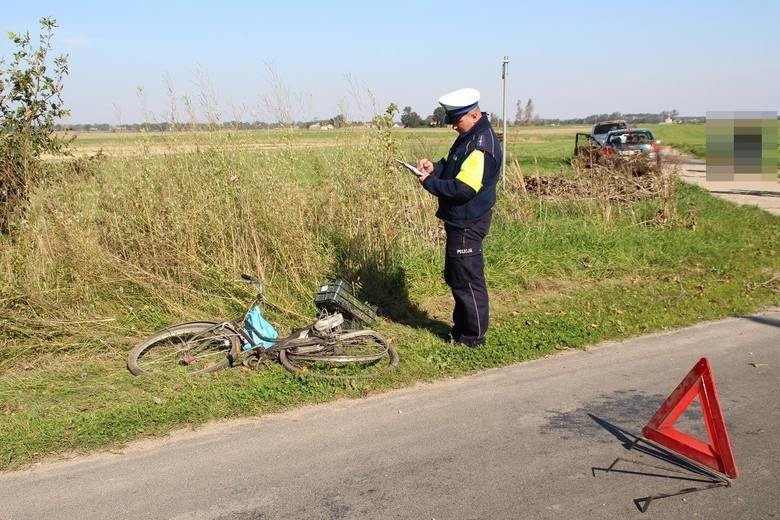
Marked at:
<point>762,193</point>
<point>521,442</point>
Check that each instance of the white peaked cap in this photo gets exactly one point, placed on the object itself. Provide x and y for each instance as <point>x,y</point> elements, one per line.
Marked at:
<point>459,99</point>
<point>458,102</point>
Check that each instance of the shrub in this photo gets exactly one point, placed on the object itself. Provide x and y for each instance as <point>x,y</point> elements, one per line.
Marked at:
<point>30,103</point>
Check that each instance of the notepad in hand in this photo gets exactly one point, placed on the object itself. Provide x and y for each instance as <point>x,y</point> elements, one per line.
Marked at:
<point>410,167</point>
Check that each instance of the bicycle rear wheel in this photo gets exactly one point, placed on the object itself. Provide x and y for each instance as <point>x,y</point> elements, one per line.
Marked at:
<point>352,354</point>
<point>190,348</point>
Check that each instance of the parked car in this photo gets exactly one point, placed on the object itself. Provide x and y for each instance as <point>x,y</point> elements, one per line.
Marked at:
<point>601,129</point>
<point>631,141</point>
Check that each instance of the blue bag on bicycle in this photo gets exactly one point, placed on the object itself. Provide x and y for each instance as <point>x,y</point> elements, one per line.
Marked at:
<point>256,326</point>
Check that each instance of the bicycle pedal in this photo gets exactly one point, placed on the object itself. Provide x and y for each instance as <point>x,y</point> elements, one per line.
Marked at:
<point>255,361</point>
<point>250,361</point>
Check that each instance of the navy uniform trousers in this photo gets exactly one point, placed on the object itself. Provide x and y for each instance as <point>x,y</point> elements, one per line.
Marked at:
<point>464,273</point>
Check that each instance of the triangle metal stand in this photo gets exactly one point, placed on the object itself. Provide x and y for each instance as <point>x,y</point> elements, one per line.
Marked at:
<point>715,479</point>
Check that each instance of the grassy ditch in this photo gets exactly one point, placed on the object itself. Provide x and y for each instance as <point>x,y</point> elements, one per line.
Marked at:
<point>139,240</point>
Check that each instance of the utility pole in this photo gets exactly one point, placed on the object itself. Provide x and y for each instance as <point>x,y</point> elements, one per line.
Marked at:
<point>505,138</point>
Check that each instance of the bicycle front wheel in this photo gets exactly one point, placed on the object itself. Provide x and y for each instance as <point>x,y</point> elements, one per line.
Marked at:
<point>352,354</point>
<point>190,348</point>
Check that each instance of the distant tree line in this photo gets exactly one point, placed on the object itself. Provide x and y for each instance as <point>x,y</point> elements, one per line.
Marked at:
<point>411,119</point>
<point>525,115</point>
<point>338,121</point>
<point>528,118</point>
<point>641,117</point>
<point>163,126</point>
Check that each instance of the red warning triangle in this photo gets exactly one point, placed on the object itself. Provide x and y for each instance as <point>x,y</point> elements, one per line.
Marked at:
<point>716,454</point>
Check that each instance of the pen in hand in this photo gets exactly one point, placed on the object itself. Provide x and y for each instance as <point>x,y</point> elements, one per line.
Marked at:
<point>426,167</point>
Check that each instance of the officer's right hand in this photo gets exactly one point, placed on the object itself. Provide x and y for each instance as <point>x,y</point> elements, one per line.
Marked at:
<point>425,166</point>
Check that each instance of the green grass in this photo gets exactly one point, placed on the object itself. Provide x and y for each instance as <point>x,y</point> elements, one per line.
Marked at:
<point>537,149</point>
<point>688,138</point>
<point>142,239</point>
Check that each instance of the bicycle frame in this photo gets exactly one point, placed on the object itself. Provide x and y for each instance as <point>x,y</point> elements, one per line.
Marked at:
<point>297,338</point>
<point>320,341</point>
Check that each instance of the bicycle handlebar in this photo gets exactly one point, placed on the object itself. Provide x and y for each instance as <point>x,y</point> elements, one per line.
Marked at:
<point>248,278</point>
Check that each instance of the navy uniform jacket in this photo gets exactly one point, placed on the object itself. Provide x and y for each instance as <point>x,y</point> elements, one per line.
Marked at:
<point>465,182</point>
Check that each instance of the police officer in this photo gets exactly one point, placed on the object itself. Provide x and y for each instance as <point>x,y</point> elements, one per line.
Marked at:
<point>465,184</point>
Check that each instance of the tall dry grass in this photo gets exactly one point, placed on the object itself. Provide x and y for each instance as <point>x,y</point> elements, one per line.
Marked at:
<point>157,237</point>
<point>131,243</point>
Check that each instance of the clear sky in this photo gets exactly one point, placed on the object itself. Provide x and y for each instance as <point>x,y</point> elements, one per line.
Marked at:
<point>572,58</point>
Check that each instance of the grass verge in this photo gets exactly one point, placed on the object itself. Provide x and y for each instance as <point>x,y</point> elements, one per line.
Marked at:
<point>148,240</point>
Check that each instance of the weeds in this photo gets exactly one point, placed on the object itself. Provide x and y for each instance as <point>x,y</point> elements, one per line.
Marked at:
<point>155,234</point>
<point>612,184</point>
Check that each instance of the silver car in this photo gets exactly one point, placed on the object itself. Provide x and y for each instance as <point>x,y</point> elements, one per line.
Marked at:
<point>631,141</point>
<point>600,130</point>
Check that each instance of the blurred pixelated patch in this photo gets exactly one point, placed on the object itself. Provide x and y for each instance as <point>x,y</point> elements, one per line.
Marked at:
<point>742,146</point>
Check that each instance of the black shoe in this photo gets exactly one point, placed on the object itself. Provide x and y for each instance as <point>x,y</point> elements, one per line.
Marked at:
<point>471,343</point>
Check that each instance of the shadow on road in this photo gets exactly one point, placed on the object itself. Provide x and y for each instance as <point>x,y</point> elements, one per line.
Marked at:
<point>630,442</point>
<point>764,320</point>
<point>628,407</point>
<point>687,471</point>
<point>624,406</point>
<point>754,193</point>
